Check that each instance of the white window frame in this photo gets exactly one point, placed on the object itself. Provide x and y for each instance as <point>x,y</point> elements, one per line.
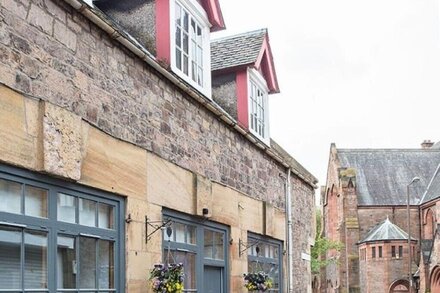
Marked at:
<point>256,79</point>
<point>197,13</point>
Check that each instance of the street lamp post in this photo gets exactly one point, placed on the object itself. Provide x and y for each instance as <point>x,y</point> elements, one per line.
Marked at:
<point>415,179</point>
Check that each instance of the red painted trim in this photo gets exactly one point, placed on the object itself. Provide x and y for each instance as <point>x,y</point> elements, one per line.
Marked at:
<point>242,98</point>
<point>266,65</point>
<point>212,8</point>
<point>163,31</point>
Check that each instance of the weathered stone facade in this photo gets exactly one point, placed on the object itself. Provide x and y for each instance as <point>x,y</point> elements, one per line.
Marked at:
<point>77,105</point>
<point>92,76</point>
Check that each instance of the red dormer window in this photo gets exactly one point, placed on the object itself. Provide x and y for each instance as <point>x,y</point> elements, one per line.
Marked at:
<point>183,39</point>
<point>244,63</point>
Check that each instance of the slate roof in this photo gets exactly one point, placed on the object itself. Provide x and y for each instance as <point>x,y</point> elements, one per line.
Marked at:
<point>385,231</point>
<point>383,174</point>
<point>237,50</point>
<point>433,189</point>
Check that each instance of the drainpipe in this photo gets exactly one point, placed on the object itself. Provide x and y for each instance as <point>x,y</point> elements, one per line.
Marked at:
<point>289,233</point>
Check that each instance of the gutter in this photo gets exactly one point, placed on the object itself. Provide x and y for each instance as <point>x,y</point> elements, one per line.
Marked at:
<point>135,47</point>
<point>289,231</point>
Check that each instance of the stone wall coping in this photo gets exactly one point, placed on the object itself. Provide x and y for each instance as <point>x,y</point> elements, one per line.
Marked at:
<point>118,34</point>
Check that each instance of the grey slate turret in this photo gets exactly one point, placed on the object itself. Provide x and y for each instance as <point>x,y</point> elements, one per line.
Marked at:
<point>386,231</point>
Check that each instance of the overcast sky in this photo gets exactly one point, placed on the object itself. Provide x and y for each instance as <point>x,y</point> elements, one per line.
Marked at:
<point>360,73</point>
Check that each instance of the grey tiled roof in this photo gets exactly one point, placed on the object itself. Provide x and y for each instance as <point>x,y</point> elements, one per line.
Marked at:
<point>433,189</point>
<point>383,174</point>
<point>385,231</point>
<point>236,50</point>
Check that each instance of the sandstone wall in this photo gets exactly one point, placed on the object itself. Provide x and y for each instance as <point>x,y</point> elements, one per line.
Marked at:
<point>78,106</point>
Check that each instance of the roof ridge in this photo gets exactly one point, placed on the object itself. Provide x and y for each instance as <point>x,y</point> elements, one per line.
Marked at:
<point>261,30</point>
<point>387,149</point>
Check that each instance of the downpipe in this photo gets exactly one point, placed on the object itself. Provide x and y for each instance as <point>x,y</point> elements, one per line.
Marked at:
<point>289,233</point>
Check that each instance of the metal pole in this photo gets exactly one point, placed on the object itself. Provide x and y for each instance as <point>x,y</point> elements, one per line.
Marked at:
<point>410,279</point>
<point>409,238</point>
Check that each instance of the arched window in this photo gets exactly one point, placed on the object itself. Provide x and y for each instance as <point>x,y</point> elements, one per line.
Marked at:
<point>429,225</point>
<point>435,279</point>
<point>399,286</point>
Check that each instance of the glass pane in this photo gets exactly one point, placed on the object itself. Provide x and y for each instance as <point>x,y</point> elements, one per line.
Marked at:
<point>200,76</point>
<point>188,259</point>
<point>106,216</point>
<point>87,263</point>
<point>193,71</point>
<point>66,262</point>
<point>199,35</point>
<point>185,43</point>
<point>199,56</point>
<point>10,242</point>
<point>66,208</point>
<point>218,251</point>
<point>193,51</point>
<point>87,212</point>
<point>10,197</point>
<point>179,232</point>
<point>106,265</point>
<point>190,234</point>
<point>185,64</point>
<point>178,38</point>
<point>35,260</point>
<point>193,28</point>
<point>35,202</point>
<point>185,20</point>
<point>208,243</point>
<point>178,14</point>
<point>178,59</point>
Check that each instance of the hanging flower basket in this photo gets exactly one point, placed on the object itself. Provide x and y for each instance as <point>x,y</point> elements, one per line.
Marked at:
<point>167,278</point>
<point>257,282</point>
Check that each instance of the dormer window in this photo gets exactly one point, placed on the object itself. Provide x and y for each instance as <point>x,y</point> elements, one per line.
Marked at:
<point>258,104</point>
<point>190,44</point>
<point>177,32</point>
<point>243,77</point>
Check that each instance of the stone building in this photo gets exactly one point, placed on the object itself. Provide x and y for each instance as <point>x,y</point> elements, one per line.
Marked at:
<point>364,187</point>
<point>429,267</point>
<point>111,131</point>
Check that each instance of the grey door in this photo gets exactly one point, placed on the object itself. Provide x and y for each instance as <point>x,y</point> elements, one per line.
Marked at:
<point>213,280</point>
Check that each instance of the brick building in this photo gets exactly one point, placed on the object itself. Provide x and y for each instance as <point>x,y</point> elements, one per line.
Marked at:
<point>364,187</point>
<point>113,126</point>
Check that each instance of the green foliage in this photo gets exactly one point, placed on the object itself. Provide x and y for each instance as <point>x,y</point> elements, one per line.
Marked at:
<point>321,247</point>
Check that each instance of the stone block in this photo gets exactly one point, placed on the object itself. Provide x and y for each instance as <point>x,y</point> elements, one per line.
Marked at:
<point>204,198</point>
<point>251,214</point>
<point>62,142</point>
<point>225,208</point>
<point>40,19</point>
<point>279,225</point>
<point>63,34</point>
<point>20,123</point>
<point>169,185</point>
<point>114,165</point>
<point>268,219</point>
<point>15,7</point>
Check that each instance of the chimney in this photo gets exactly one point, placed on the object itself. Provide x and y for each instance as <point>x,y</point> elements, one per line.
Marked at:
<point>427,144</point>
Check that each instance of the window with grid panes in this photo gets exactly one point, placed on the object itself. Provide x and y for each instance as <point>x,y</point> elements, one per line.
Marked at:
<point>191,44</point>
<point>201,248</point>
<point>57,239</point>
<point>264,254</point>
<point>258,106</point>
